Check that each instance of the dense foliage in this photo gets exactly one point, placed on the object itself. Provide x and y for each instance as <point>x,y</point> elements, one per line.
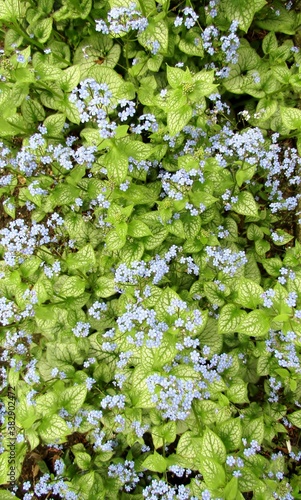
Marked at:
<point>150,249</point>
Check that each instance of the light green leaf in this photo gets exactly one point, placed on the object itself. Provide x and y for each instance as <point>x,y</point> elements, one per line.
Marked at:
<point>231,490</point>
<point>82,459</point>
<point>291,117</point>
<point>70,78</point>
<point>73,286</point>
<point>42,29</point>
<point>269,43</point>
<point>255,324</point>
<point>131,252</point>
<point>189,449</point>
<point>246,205</point>
<point>105,286</point>
<point>230,318</point>
<point>11,10</point>
<point>73,398</point>
<point>254,429</point>
<point>210,337</point>
<point>238,392</point>
<point>84,259</point>
<point>156,31</point>
<point>138,229</point>
<point>249,293</point>
<point>284,236</point>
<point>295,418</point>
<point>245,174</point>
<point>213,472</point>
<point>4,468</point>
<point>159,235</point>
<point>176,120</point>
<point>33,438</point>
<point>188,45</point>
<point>53,429</point>
<point>54,124</point>
<point>176,77</point>
<point>25,414</point>
<point>254,232</point>
<point>32,111</point>
<point>213,447</point>
<point>230,432</point>
<point>46,404</point>
<point>262,247</point>
<point>116,162</point>
<point>242,11</point>
<point>155,463</point>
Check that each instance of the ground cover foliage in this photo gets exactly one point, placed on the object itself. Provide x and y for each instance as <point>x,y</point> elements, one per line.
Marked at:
<point>150,249</point>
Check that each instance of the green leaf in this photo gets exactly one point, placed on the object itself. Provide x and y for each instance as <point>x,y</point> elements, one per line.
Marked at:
<point>262,247</point>
<point>192,226</point>
<point>214,294</point>
<point>176,120</point>
<point>155,463</point>
<point>138,229</point>
<point>131,252</point>
<point>70,78</point>
<point>159,235</point>
<point>189,449</point>
<point>295,418</point>
<point>32,111</point>
<point>245,174</point>
<point>54,124</point>
<point>249,293</point>
<point>213,447</point>
<point>188,45</point>
<point>53,429</point>
<point>116,162</point>
<point>73,286</point>
<point>213,472</point>
<point>231,490</point>
<point>242,11</point>
<point>73,398</point>
<point>230,318</point>
<point>42,29</point>
<point>11,10</point>
<point>231,433</point>
<point>115,240</point>
<point>284,236</point>
<point>84,259</point>
<point>46,404</point>
<point>82,459</point>
<point>279,19</point>
<point>238,392</point>
<point>156,31</point>
<point>211,338</point>
<point>25,414</point>
<point>254,429</point>
<point>291,117</point>
<point>105,286</point>
<point>254,232</point>
<point>255,324</point>
<point>269,43</point>
<point>246,205</point>
<point>176,77</point>
<point>4,469</point>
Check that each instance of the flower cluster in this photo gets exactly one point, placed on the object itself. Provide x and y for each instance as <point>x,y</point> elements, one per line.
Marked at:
<point>125,473</point>
<point>121,20</point>
<point>189,19</point>
<point>21,240</point>
<point>283,348</point>
<point>93,100</point>
<point>159,489</point>
<point>225,259</point>
<point>178,184</point>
